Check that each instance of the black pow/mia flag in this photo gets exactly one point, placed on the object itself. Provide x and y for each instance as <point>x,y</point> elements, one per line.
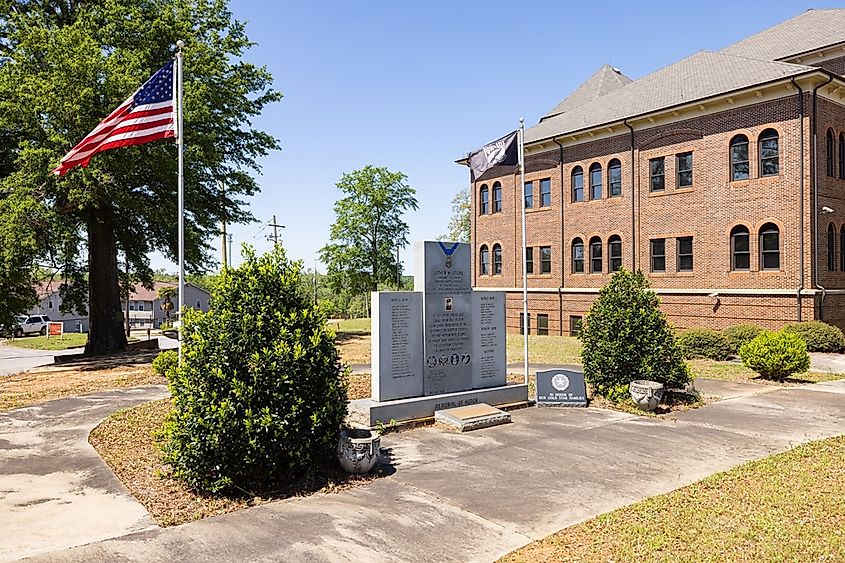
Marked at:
<point>502,151</point>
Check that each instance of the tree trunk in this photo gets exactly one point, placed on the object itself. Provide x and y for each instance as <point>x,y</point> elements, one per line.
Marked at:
<point>105,317</point>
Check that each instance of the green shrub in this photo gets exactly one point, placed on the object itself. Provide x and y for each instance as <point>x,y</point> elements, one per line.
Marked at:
<point>626,337</point>
<point>704,343</point>
<point>261,395</point>
<point>819,336</point>
<point>165,362</point>
<point>740,334</point>
<point>776,355</point>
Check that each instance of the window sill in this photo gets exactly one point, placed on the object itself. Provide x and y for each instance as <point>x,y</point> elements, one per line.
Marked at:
<point>538,209</point>
<point>686,274</point>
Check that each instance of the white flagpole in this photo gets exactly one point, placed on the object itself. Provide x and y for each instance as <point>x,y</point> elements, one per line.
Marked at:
<point>181,191</point>
<point>521,192</point>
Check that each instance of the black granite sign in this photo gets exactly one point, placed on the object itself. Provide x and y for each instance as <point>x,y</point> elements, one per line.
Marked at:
<point>561,387</point>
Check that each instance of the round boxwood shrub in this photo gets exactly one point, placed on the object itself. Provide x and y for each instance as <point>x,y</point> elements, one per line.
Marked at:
<point>165,362</point>
<point>704,343</point>
<point>819,336</point>
<point>261,395</point>
<point>740,334</point>
<point>776,355</point>
<point>626,337</point>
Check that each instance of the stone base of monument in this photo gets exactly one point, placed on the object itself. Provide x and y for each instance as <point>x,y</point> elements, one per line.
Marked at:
<point>371,413</point>
<point>471,417</point>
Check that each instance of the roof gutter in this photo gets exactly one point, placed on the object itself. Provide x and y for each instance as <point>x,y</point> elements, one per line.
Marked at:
<point>815,193</point>
<point>800,200</point>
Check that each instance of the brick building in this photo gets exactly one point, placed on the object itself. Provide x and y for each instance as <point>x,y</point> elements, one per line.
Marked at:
<point>721,177</point>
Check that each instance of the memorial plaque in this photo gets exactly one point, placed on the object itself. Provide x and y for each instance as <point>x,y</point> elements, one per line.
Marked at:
<point>396,345</point>
<point>561,387</point>
<point>490,345</point>
<point>443,274</point>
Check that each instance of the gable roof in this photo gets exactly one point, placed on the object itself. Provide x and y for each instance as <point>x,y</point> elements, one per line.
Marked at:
<point>809,31</point>
<point>698,77</point>
<point>605,80</point>
<point>140,293</point>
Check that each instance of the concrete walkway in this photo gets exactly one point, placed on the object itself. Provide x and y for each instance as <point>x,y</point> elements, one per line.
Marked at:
<point>15,360</point>
<point>451,497</point>
<point>55,491</point>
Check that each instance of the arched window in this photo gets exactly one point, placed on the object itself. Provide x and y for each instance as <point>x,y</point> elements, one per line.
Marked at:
<point>497,259</point>
<point>497,197</point>
<point>842,248</point>
<point>769,153</point>
<point>614,178</point>
<point>595,255</point>
<point>595,181</point>
<point>484,262</point>
<point>577,256</point>
<point>740,249</point>
<point>769,247</point>
<point>614,246</point>
<point>829,153</point>
<point>842,155</point>
<point>577,184</point>
<point>831,247</point>
<point>739,158</point>
<point>484,200</point>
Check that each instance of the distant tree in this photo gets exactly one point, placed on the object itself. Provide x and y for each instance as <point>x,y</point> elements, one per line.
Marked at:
<point>368,228</point>
<point>166,293</point>
<point>460,225</point>
<point>64,66</point>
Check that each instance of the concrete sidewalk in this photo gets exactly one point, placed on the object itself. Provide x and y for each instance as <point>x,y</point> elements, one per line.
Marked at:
<point>476,496</point>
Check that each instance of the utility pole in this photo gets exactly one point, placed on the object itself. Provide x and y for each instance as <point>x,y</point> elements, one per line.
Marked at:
<point>276,228</point>
<point>128,291</point>
<point>222,200</point>
<point>315,282</point>
<point>398,279</point>
<point>230,249</point>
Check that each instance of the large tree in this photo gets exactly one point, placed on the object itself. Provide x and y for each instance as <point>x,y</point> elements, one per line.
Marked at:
<point>368,228</point>
<point>460,224</point>
<point>64,66</point>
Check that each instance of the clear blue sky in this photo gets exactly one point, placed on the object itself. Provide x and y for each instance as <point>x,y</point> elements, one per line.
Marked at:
<point>413,86</point>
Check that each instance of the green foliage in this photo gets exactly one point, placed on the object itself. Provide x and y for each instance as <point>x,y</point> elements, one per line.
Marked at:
<point>626,337</point>
<point>260,395</point>
<point>740,334</point>
<point>704,343</point>
<point>368,229</point>
<point>65,66</point>
<point>165,362</point>
<point>20,220</point>
<point>460,224</point>
<point>776,355</point>
<point>819,336</point>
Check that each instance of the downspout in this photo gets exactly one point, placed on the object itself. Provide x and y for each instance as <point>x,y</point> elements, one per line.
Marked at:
<point>815,191</point>
<point>800,198</point>
<point>563,191</point>
<point>633,198</point>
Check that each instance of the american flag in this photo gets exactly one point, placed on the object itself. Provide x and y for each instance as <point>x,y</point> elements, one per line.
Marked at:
<point>146,116</point>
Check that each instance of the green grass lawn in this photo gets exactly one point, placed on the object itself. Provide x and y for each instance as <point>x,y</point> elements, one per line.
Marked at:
<point>545,349</point>
<point>69,340</point>
<point>734,371</point>
<point>787,507</point>
<point>353,326</point>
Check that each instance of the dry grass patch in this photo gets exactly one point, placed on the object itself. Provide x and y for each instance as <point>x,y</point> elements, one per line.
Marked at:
<point>354,347</point>
<point>61,381</point>
<point>127,443</point>
<point>787,507</point>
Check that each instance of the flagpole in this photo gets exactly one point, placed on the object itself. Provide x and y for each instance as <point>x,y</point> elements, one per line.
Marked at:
<point>180,191</point>
<point>521,192</point>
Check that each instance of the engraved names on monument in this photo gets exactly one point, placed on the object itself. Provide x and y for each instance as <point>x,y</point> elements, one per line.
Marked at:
<point>396,345</point>
<point>489,344</point>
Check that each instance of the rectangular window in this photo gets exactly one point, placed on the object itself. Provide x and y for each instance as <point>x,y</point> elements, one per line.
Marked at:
<point>131,305</point>
<point>684,166</point>
<point>546,259</point>
<point>657,174</point>
<point>522,323</point>
<point>529,195</point>
<point>545,192</point>
<point>140,305</point>
<point>575,325</point>
<point>658,255</point>
<point>484,208</point>
<point>684,254</point>
<point>529,259</point>
<point>543,325</point>
<point>497,199</point>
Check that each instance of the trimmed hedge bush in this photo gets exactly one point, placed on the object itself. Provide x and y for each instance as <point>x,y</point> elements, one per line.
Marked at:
<point>819,336</point>
<point>626,337</point>
<point>740,334</point>
<point>165,362</point>
<point>704,343</point>
<point>261,395</point>
<point>776,355</point>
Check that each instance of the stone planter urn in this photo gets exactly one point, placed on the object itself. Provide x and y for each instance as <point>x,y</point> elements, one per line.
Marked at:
<point>358,450</point>
<point>646,394</point>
